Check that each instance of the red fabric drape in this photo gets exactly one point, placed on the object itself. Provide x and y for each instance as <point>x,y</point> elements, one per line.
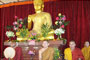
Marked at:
<point>77,12</point>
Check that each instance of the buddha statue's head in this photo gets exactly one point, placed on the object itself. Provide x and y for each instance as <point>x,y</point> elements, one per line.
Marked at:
<point>38,5</point>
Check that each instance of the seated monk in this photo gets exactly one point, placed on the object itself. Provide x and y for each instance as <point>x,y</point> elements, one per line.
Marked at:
<point>73,53</point>
<point>86,50</point>
<point>18,52</point>
<point>18,55</point>
<point>46,53</point>
<point>40,18</point>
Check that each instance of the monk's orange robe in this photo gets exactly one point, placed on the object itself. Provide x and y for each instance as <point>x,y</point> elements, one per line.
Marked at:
<point>48,54</point>
<point>86,52</point>
<point>73,55</point>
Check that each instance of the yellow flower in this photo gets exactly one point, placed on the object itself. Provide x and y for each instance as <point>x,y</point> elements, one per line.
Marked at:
<point>56,22</point>
<point>59,14</point>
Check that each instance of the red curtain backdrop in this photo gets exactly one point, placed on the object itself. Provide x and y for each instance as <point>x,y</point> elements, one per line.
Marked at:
<point>77,12</point>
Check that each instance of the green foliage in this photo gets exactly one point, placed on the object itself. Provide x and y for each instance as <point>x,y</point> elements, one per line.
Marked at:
<point>15,41</point>
<point>66,23</point>
<point>34,37</point>
<point>45,29</point>
<point>25,21</point>
<point>64,40</point>
<point>56,54</point>
<point>23,32</point>
<point>9,27</point>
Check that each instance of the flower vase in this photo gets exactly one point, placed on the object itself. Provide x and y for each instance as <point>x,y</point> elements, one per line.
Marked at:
<point>9,39</point>
<point>31,56</point>
<point>59,37</point>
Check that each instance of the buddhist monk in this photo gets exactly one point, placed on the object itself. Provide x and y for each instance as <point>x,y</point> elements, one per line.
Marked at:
<point>46,53</point>
<point>86,50</point>
<point>18,52</point>
<point>73,53</point>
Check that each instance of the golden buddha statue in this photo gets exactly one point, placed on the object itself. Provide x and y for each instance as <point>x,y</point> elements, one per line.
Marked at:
<point>40,18</point>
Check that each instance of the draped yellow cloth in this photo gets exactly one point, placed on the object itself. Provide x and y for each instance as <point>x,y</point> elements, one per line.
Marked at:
<point>86,52</point>
<point>68,54</point>
<point>48,54</point>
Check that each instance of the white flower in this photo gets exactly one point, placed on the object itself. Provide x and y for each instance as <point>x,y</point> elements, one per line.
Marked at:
<point>60,22</point>
<point>59,31</point>
<point>10,34</point>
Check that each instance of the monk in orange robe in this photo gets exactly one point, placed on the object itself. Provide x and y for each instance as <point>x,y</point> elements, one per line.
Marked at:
<point>86,50</point>
<point>46,53</point>
<point>73,53</point>
<point>18,54</point>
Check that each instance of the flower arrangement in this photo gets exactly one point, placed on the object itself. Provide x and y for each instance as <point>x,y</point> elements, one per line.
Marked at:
<point>20,26</point>
<point>60,24</point>
<point>10,34</point>
<point>59,31</point>
<point>61,21</point>
<point>33,36</point>
<point>32,54</point>
<point>19,23</point>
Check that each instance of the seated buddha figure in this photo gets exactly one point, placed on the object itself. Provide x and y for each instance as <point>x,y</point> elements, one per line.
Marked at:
<point>38,19</point>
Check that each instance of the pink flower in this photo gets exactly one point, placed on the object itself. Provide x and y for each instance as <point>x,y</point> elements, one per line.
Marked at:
<point>64,18</point>
<point>20,25</point>
<point>60,22</point>
<point>30,35</point>
<point>57,18</point>
<point>31,52</point>
<point>62,26</point>
<point>34,34</point>
<point>20,19</point>
<point>15,28</point>
<point>15,23</point>
<point>16,17</point>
